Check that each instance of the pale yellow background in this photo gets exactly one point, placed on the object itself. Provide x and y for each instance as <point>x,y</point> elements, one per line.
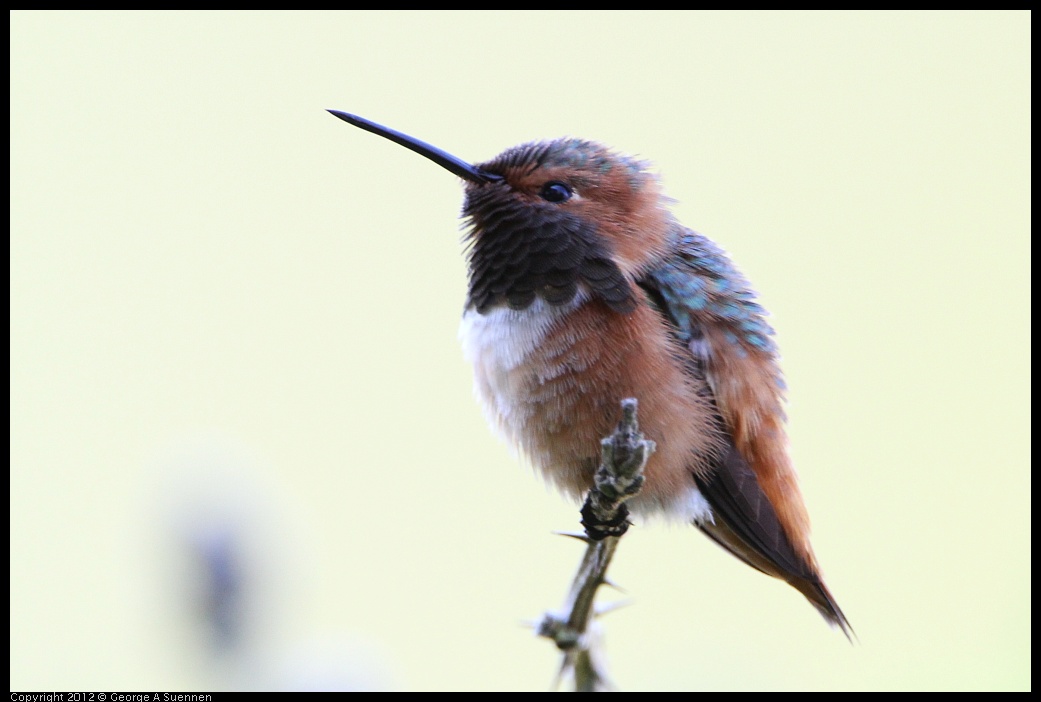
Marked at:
<point>230,308</point>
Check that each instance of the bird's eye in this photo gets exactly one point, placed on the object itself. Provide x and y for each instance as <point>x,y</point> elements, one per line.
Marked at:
<point>555,191</point>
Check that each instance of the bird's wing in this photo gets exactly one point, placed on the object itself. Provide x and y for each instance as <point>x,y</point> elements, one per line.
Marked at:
<point>752,488</point>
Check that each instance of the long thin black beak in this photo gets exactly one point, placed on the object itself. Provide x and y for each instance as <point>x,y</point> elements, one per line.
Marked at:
<point>455,165</point>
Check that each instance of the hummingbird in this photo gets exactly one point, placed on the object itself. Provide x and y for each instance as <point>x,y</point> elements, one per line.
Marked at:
<point>584,289</point>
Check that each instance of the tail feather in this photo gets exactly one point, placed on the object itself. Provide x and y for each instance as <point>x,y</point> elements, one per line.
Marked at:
<point>746,524</point>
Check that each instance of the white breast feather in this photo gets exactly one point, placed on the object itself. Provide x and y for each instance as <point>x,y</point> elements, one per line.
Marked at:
<point>499,344</point>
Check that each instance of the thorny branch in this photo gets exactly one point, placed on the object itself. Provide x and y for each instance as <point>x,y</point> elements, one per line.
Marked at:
<point>605,518</point>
